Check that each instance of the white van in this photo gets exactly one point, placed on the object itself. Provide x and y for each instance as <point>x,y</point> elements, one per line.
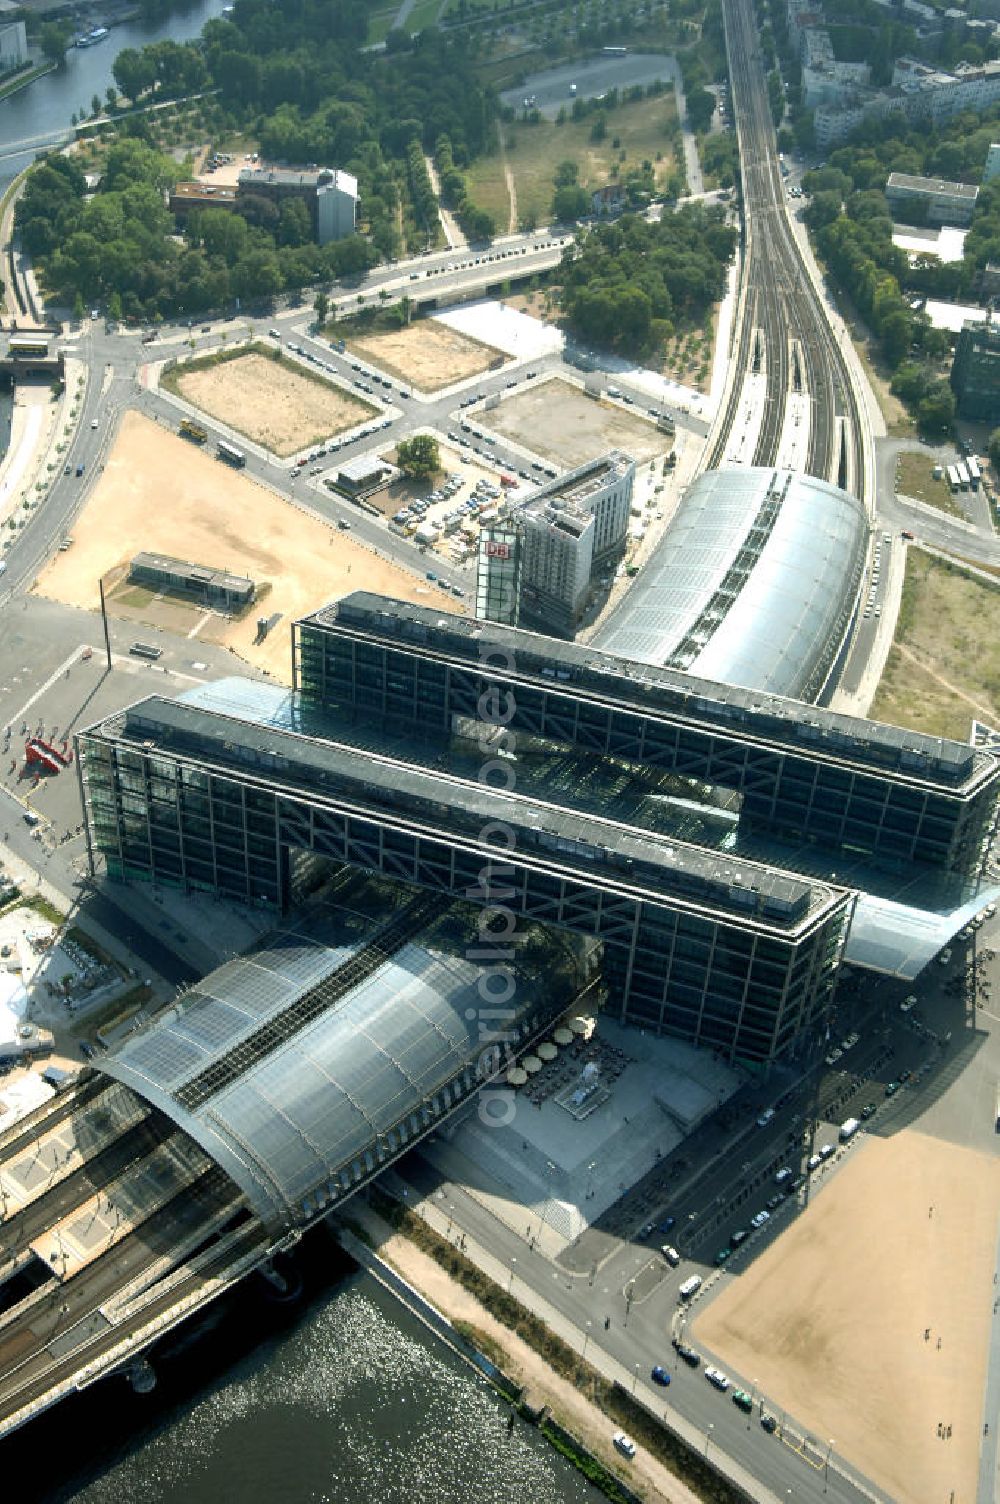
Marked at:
<point>689,1286</point>
<point>848,1129</point>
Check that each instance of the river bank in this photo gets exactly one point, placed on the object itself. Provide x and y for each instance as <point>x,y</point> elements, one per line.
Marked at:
<point>570,1402</point>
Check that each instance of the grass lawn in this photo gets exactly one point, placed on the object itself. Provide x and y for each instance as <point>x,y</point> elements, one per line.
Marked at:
<point>944,666</point>
<point>534,152</point>
<point>380,23</point>
<point>424,13</point>
<point>914,477</point>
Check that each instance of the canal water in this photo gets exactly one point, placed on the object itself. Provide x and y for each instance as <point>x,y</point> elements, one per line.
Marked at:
<point>340,1399</point>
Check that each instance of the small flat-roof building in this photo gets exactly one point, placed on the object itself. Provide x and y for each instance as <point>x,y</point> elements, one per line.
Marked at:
<point>187,196</point>
<point>935,201</point>
<point>365,475</point>
<point>212,586</point>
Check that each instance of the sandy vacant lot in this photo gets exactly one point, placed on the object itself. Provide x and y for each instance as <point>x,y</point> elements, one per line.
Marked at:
<point>427,354</point>
<point>208,514</point>
<point>830,1321</point>
<point>943,671</point>
<point>272,402</point>
<point>556,420</point>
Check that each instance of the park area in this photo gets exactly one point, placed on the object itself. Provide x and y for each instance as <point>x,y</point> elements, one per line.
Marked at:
<point>211,515</point>
<point>869,1319</point>
<point>943,670</point>
<point>427,355</point>
<point>559,422</point>
<point>269,399</point>
<point>637,132</point>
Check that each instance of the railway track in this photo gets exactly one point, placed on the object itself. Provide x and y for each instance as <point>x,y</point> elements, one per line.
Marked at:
<point>781,300</point>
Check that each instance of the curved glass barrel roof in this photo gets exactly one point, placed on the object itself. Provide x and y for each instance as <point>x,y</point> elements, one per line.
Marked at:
<point>753,583</point>
<point>305,1065</point>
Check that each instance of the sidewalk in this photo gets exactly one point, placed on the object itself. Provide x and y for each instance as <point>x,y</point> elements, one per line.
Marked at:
<point>445,1293</point>
<point>519,1360</point>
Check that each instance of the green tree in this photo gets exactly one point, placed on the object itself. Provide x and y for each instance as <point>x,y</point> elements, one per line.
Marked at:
<point>54,38</point>
<point>993,445</point>
<point>419,457</point>
<point>322,308</point>
<point>115,308</point>
<point>78,308</point>
<point>936,411</point>
<point>569,203</point>
<point>566,174</point>
<point>111,98</point>
<point>134,72</point>
<point>95,105</point>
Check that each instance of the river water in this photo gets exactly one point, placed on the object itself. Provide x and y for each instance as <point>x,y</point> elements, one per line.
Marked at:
<point>39,114</point>
<point>341,1399</point>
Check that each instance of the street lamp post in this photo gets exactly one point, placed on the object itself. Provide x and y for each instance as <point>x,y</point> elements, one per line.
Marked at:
<point>708,1436</point>
<point>826,1464</point>
<point>753,1396</point>
<point>586,1337</point>
<point>635,1380</point>
<point>513,1269</point>
<point>628,1300</point>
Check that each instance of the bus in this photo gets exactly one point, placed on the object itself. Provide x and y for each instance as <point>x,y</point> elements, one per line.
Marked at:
<point>193,431</point>
<point>145,650</point>
<point>230,454</point>
<point>975,474</point>
<point>952,475</point>
<point>963,476</point>
<point>25,345</point>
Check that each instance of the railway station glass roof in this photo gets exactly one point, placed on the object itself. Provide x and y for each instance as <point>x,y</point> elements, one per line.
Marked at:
<point>746,593</point>
<point>292,1115</point>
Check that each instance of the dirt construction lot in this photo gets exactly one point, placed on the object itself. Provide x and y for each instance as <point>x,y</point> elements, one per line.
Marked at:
<point>427,355</point>
<point>209,514</point>
<point>555,420</point>
<point>271,402</point>
<point>830,1322</point>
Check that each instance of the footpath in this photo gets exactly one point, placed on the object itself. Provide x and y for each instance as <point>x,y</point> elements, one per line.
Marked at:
<point>571,1407</point>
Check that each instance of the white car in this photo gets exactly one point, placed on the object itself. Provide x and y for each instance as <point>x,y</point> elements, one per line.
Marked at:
<point>717,1377</point>
<point>623,1444</point>
<point>93,422</point>
<point>766,1117</point>
<point>760,1219</point>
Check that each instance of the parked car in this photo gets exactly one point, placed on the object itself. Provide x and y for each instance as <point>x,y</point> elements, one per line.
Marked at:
<point>769,1423</point>
<point>623,1443</point>
<point>671,1255</point>
<point>766,1117</point>
<point>716,1377</point>
<point>660,1376</point>
<point>743,1400</point>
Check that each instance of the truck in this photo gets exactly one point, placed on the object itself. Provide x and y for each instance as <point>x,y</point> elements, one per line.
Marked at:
<point>193,431</point>
<point>848,1129</point>
<point>572,91</point>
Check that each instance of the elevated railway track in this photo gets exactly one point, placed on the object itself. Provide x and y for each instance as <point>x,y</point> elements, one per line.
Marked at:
<point>781,309</point>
